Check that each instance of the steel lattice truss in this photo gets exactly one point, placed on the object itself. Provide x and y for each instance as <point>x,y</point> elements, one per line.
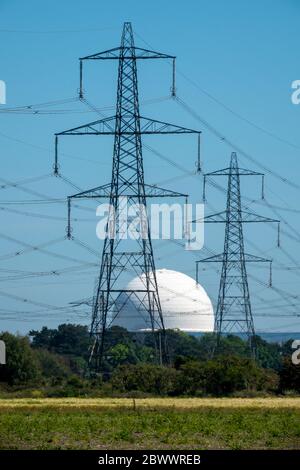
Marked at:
<point>127,127</point>
<point>233,312</point>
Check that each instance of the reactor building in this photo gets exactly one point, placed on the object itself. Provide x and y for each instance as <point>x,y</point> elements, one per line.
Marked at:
<point>184,303</point>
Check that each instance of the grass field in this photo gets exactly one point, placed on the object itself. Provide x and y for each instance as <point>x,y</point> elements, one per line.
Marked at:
<point>152,423</point>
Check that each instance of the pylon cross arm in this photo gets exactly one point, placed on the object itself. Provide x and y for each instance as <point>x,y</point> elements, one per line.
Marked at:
<point>212,259</point>
<point>247,257</point>
<point>98,192</point>
<point>256,259</point>
<point>127,53</point>
<point>219,217</point>
<point>101,126</point>
<point>156,191</point>
<point>240,172</point>
<point>153,126</point>
<point>252,217</point>
<point>106,126</point>
<point>104,191</point>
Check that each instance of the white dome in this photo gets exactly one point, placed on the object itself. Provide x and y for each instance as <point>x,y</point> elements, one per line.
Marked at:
<point>185,305</point>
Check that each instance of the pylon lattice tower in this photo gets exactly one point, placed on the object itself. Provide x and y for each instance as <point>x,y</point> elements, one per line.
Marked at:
<point>233,313</point>
<point>127,181</point>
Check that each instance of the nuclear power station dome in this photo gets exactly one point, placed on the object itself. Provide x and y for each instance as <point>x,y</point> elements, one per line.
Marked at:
<point>185,305</point>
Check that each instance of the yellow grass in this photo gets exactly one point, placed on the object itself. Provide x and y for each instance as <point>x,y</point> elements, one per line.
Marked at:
<point>180,403</point>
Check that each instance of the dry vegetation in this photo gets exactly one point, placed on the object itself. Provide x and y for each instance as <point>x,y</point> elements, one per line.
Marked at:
<point>151,403</point>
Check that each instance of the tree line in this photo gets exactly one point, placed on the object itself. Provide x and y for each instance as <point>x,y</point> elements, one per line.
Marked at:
<point>54,362</point>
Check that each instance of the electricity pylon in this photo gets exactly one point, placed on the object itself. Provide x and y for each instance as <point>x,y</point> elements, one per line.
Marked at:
<point>234,312</point>
<point>127,181</point>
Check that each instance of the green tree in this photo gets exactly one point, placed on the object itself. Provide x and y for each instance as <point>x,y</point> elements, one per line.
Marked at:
<point>52,365</point>
<point>67,339</point>
<point>120,354</point>
<point>22,366</point>
<point>268,354</point>
<point>289,375</point>
<point>181,344</point>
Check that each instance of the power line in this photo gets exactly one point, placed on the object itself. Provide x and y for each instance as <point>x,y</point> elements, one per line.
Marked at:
<point>226,107</point>
<point>55,31</point>
<point>228,142</point>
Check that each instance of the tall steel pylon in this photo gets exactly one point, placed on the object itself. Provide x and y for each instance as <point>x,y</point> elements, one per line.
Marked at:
<point>127,181</point>
<point>234,312</point>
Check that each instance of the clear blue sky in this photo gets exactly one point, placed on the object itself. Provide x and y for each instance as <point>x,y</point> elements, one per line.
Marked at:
<point>241,56</point>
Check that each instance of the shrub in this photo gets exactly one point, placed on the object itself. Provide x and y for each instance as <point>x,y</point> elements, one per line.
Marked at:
<point>145,378</point>
<point>223,376</point>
